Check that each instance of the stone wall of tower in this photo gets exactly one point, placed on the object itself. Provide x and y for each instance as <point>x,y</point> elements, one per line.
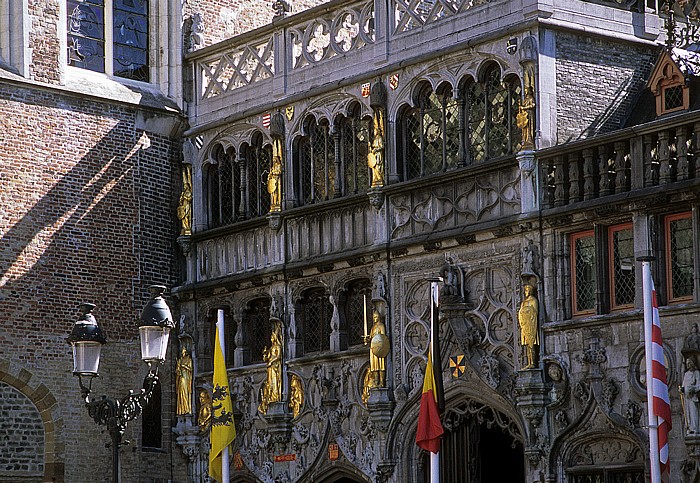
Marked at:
<point>598,81</point>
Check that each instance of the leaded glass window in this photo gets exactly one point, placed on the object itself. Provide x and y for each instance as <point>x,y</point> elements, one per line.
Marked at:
<point>679,256</point>
<point>491,108</point>
<point>358,304</point>
<point>316,159</point>
<point>354,144</point>
<point>258,164</point>
<point>258,327</point>
<point>222,181</point>
<point>431,134</point>
<point>316,312</point>
<point>584,272</point>
<point>621,255</point>
<point>110,36</point>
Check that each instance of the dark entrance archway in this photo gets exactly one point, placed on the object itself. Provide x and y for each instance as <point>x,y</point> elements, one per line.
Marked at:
<point>480,445</point>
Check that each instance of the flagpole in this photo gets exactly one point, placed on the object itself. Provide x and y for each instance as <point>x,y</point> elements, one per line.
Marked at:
<point>652,418</point>
<point>434,293</point>
<point>222,343</point>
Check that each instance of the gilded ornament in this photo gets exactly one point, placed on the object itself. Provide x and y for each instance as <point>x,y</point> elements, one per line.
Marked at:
<point>375,156</point>
<point>271,390</point>
<point>296,395</point>
<point>377,361</point>
<point>527,319</point>
<point>184,369</point>
<point>205,411</point>
<point>184,207</point>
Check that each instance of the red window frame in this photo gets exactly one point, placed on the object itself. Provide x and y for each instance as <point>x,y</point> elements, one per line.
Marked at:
<point>668,256</point>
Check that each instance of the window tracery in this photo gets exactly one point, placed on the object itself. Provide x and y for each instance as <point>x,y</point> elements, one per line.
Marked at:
<point>444,132</point>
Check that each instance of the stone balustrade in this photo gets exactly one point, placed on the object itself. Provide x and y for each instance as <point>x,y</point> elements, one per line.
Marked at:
<point>659,153</point>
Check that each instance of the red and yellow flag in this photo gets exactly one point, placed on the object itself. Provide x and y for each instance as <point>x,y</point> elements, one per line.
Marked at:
<point>430,428</point>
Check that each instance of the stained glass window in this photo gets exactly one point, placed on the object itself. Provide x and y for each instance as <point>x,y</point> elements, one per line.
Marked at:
<point>91,42</point>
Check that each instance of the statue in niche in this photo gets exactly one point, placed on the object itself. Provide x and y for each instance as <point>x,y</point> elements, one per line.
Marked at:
<point>296,395</point>
<point>692,342</point>
<point>526,107</point>
<point>184,207</point>
<point>274,179</point>
<point>271,390</point>
<point>205,410</point>
<point>527,320</point>
<point>452,278</point>
<point>379,348</point>
<point>375,156</point>
<point>689,391</point>
<point>368,382</point>
<point>183,372</point>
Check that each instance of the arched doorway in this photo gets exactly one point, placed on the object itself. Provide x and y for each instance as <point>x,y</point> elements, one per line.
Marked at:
<point>477,442</point>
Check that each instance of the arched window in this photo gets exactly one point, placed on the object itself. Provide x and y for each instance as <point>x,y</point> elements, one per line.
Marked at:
<point>355,135</point>
<point>490,109</point>
<point>358,303</point>
<point>257,320</point>
<point>430,134</point>
<point>221,182</point>
<point>316,312</point>
<point>315,164</point>
<point>432,139</point>
<point>258,164</point>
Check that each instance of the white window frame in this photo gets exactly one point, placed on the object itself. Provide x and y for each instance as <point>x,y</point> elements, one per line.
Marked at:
<point>14,35</point>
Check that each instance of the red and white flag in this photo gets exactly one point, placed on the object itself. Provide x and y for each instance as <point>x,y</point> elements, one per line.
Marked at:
<point>657,386</point>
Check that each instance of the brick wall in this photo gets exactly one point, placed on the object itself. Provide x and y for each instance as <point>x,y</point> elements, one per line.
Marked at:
<point>86,214</point>
<point>43,40</point>
<point>597,83</point>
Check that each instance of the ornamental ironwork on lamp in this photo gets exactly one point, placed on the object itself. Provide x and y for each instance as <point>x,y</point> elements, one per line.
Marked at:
<point>87,340</point>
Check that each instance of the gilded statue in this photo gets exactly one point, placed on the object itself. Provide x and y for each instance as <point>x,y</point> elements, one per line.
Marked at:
<point>689,392</point>
<point>184,207</point>
<point>526,107</point>
<point>296,395</point>
<point>527,319</point>
<point>271,390</point>
<point>375,156</point>
<point>379,348</point>
<point>367,384</point>
<point>274,179</point>
<point>205,410</point>
<point>183,371</point>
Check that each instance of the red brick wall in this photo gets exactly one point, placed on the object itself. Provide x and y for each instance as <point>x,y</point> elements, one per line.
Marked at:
<point>86,214</point>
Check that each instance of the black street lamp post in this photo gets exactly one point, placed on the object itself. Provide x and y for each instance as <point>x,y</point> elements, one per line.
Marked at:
<point>87,339</point>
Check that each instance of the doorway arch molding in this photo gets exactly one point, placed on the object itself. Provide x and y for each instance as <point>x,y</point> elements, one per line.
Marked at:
<point>463,398</point>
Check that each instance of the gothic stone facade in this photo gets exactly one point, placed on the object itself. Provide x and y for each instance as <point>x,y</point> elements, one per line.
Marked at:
<point>462,194</point>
